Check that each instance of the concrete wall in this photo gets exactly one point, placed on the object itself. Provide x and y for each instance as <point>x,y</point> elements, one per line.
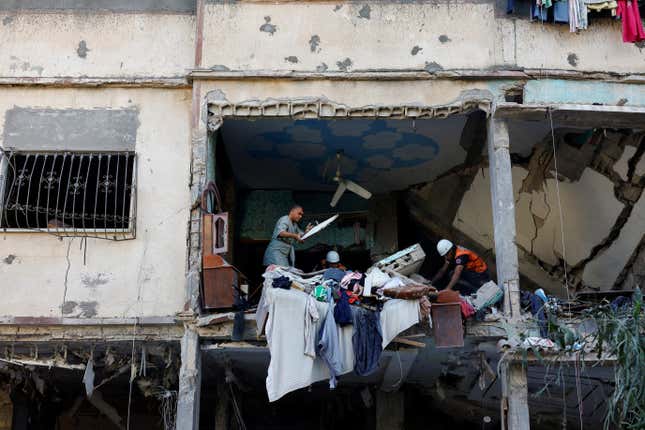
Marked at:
<point>350,36</point>
<point>603,214</point>
<point>156,39</point>
<point>63,44</point>
<point>41,275</point>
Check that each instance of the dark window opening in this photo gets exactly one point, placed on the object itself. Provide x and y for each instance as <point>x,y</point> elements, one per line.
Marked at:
<point>220,233</point>
<point>63,193</point>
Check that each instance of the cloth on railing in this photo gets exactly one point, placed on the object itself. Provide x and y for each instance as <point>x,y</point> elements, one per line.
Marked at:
<point>346,282</point>
<point>335,274</point>
<point>290,369</point>
<point>397,316</point>
<point>342,310</point>
<point>281,282</point>
<point>367,341</point>
<point>328,347</point>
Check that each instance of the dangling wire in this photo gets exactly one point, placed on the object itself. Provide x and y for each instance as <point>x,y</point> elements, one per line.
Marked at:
<point>167,407</point>
<point>557,192</point>
<point>236,409</point>
<point>564,265</point>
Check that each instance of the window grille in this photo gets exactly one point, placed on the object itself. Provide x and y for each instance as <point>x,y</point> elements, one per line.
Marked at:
<point>69,193</point>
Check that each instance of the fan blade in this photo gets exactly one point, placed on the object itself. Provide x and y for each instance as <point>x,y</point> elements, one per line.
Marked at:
<point>355,188</point>
<point>339,192</point>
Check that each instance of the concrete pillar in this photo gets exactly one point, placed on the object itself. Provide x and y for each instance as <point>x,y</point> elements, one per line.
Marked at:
<point>503,204</point>
<point>390,410</point>
<point>514,408</point>
<point>514,384</point>
<point>189,382</point>
<point>199,143</point>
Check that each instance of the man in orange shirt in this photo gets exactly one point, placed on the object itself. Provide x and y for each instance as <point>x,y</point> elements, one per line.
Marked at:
<point>470,271</point>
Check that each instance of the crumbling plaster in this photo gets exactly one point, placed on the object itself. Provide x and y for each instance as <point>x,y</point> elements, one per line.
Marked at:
<point>603,271</point>
<point>622,165</point>
<point>601,230</point>
<point>403,35</point>
<point>589,211</point>
<point>102,278</point>
<point>354,94</point>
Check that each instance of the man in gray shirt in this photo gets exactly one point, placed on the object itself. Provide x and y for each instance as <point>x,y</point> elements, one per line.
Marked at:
<point>286,232</point>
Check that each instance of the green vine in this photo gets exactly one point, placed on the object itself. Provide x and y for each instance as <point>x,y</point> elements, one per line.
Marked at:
<point>619,334</point>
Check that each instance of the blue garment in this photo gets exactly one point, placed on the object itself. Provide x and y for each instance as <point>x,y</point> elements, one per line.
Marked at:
<point>537,310</point>
<point>328,347</point>
<point>334,273</point>
<point>560,11</point>
<point>342,310</point>
<point>282,282</point>
<point>539,13</point>
<point>620,303</point>
<point>366,340</point>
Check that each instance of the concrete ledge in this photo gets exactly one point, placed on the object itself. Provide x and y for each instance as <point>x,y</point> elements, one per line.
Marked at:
<point>96,82</point>
<point>36,321</point>
<point>417,74</point>
<point>16,334</point>
<point>575,114</point>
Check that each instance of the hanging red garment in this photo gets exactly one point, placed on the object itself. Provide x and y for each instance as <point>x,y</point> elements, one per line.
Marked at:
<point>628,12</point>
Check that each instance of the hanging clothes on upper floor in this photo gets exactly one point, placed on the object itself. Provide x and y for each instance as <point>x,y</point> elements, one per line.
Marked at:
<point>627,11</point>
<point>600,5</point>
<point>577,15</point>
<point>561,11</point>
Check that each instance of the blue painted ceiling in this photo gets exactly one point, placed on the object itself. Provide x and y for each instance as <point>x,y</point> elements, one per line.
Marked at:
<point>382,155</point>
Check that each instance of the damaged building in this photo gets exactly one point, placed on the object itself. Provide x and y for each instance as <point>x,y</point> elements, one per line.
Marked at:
<point>148,149</point>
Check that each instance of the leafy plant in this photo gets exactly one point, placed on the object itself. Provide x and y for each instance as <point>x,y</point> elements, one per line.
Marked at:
<point>620,333</point>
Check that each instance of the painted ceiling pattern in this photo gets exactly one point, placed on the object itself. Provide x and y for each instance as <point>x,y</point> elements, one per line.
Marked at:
<point>382,155</point>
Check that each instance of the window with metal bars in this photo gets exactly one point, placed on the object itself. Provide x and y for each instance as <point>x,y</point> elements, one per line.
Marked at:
<point>69,193</point>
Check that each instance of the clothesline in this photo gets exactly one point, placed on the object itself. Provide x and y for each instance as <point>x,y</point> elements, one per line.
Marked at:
<point>575,13</point>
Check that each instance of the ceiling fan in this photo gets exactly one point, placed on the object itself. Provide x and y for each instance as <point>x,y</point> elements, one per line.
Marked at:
<point>346,184</point>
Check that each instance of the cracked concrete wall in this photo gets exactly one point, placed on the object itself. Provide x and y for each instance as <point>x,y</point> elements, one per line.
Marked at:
<point>157,40</point>
<point>602,209</point>
<point>43,276</point>
<point>313,36</point>
<point>66,44</point>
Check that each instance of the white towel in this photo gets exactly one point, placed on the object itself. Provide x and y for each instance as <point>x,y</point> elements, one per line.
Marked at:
<point>397,316</point>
